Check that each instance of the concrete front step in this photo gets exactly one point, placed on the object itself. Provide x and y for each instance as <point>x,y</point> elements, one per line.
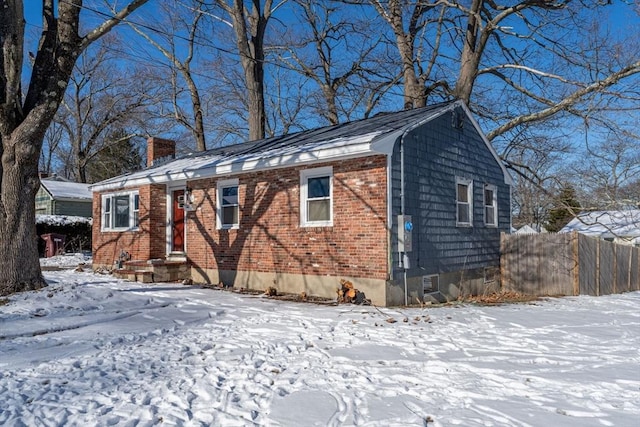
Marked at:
<point>154,271</point>
<point>134,275</point>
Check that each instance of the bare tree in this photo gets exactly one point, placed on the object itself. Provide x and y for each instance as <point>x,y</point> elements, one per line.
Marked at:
<point>24,119</point>
<point>49,155</point>
<point>418,28</point>
<point>287,103</point>
<point>538,169</point>
<point>249,25</point>
<point>517,62</point>
<point>543,69</point>
<point>100,97</point>
<point>608,169</point>
<point>337,53</point>
<point>180,50</point>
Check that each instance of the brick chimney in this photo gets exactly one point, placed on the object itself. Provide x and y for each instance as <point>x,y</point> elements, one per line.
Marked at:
<point>158,148</point>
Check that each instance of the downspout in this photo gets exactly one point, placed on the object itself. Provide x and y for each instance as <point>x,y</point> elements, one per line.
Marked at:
<point>389,217</point>
<point>401,262</point>
<point>386,147</point>
<point>401,256</point>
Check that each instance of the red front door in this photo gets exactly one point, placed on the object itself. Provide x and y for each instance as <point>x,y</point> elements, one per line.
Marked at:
<point>177,223</point>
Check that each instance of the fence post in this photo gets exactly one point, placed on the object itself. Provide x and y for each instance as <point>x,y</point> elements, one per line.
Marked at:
<point>502,268</point>
<point>629,268</point>
<point>598,267</point>
<point>615,269</point>
<point>576,264</point>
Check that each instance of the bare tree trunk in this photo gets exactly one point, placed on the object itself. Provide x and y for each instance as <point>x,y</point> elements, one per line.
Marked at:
<point>183,66</point>
<point>342,64</point>
<point>19,269</point>
<point>249,28</point>
<point>198,120</point>
<point>23,125</point>
<point>471,54</point>
<point>393,12</point>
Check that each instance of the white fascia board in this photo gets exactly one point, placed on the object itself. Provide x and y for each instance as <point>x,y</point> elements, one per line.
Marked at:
<point>386,142</point>
<point>325,152</point>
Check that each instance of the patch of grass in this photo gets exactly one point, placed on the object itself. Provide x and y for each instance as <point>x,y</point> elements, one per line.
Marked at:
<point>4,301</point>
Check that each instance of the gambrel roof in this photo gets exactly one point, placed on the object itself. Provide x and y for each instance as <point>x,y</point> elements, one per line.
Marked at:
<point>375,135</point>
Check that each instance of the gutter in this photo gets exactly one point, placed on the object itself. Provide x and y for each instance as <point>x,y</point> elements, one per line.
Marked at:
<point>239,165</point>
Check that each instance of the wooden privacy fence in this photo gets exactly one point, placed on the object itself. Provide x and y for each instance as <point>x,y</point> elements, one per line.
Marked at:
<point>567,264</point>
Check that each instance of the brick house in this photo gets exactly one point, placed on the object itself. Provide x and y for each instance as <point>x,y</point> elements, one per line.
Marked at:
<point>300,212</point>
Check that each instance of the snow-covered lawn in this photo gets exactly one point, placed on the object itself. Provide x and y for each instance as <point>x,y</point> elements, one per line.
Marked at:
<point>91,350</point>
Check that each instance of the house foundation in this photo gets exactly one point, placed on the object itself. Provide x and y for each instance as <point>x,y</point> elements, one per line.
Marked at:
<point>321,286</point>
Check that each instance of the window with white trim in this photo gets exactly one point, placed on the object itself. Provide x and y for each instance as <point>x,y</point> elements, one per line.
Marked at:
<point>120,211</point>
<point>316,197</point>
<point>464,202</point>
<point>228,215</point>
<point>490,205</point>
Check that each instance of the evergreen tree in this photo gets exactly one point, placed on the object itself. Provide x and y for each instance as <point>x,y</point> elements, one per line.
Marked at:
<point>565,207</point>
<point>115,159</point>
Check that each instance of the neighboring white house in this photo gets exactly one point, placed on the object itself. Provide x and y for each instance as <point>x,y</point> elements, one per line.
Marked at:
<point>530,229</point>
<point>614,226</point>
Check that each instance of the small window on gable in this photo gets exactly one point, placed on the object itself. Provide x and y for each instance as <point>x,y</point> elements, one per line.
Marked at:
<point>464,202</point>
<point>120,211</point>
<point>316,197</point>
<point>228,215</point>
<point>490,205</point>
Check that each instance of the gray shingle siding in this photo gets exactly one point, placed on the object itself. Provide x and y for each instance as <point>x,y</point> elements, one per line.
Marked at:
<point>434,154</point>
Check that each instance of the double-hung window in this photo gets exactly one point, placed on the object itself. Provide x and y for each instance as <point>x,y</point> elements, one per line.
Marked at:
<point>228,204</point>
<point>120,211</point>
<point>490,205</point>
<point>464,202</point>
<point>316,197</point>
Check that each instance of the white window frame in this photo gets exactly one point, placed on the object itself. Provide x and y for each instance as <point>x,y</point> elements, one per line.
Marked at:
<point>468,203</point>
<point>134,214</point>
<point>227,183</point>
<point>490,205</point>
<point>305,175</point>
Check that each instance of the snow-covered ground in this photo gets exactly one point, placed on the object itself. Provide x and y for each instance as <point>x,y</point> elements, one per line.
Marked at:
<point>91,350</point>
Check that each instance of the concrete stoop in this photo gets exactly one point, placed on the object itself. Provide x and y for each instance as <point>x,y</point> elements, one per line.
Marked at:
<point>154,271</point>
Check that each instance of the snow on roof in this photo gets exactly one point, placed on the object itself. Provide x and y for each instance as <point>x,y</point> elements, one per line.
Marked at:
<point>67,190</point>
<point>62,219</point>
<point>625,223</point>
<point>526,229</point>
<point>348,140</point>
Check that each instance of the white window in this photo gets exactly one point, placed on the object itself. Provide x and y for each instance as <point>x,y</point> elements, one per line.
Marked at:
<point>120,211</point>
<point>490,205</point>
<point>464,202</point>
<point>228,215</point>
<point>316,197</point>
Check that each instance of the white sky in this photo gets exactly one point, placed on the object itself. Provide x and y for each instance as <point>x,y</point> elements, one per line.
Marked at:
<point>92,350</point>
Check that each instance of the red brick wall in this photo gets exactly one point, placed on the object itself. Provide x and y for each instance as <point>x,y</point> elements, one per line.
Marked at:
<point>148,242</point>
<point>270,238</point>
<point>158,148</point>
